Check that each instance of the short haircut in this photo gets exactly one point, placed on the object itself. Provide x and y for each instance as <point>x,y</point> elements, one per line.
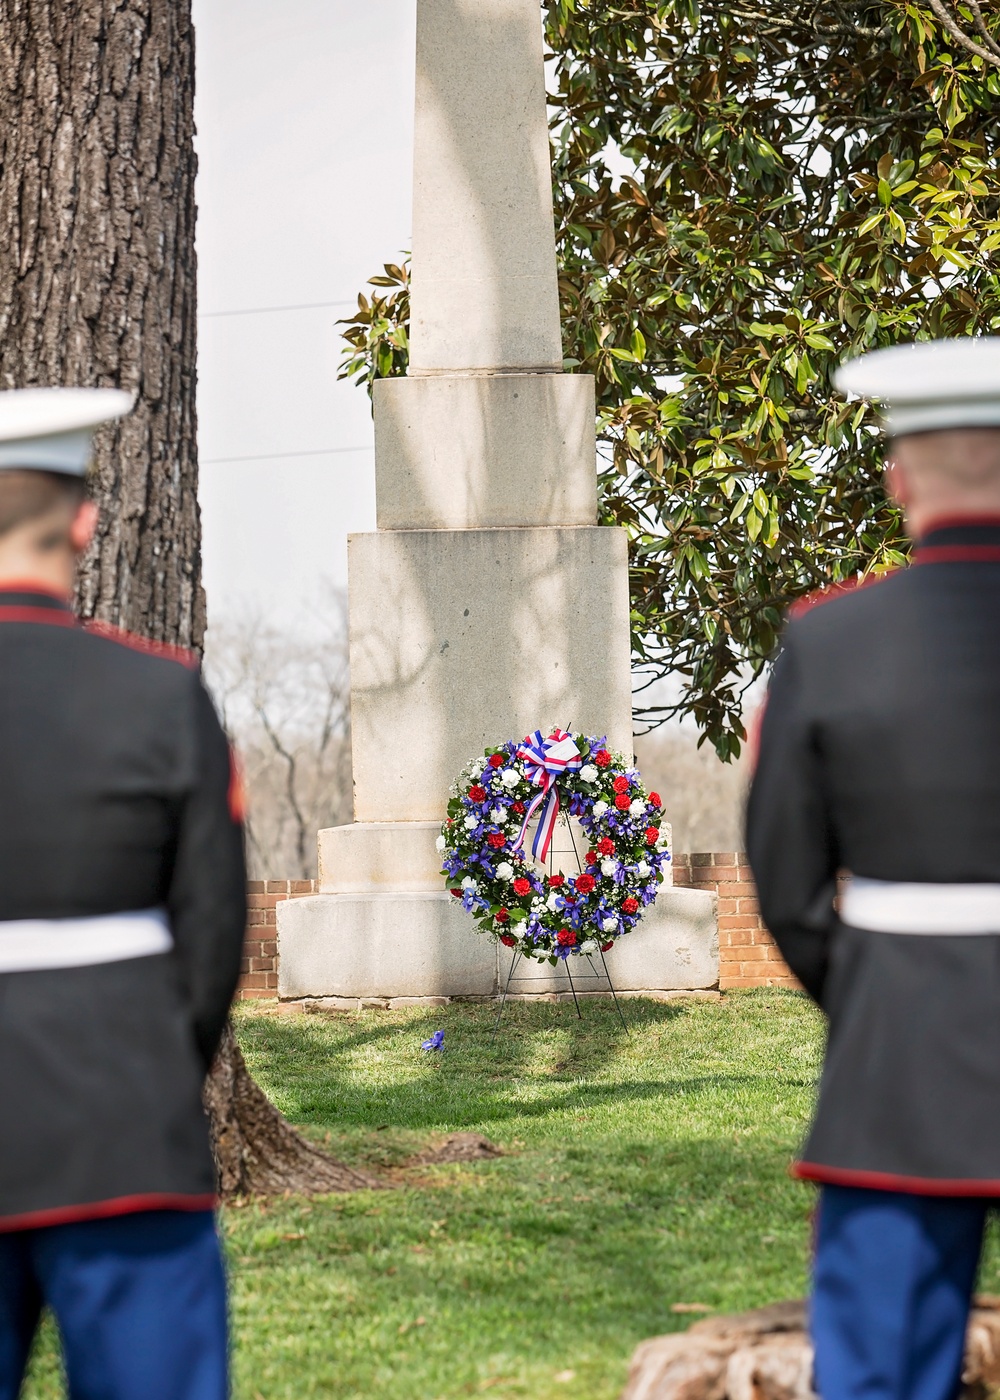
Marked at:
<point>28,495</point>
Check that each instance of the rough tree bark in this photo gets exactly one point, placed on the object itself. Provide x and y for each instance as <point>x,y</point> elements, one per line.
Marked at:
<point>97,287</point>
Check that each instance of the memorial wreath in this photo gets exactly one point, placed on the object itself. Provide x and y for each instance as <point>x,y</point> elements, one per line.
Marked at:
<point>552,915</point>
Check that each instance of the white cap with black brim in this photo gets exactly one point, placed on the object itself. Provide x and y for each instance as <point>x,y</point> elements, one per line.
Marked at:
<point>929,385</point>
<point>50,430</point>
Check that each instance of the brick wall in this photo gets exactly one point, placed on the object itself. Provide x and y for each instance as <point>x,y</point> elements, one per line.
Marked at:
<point>259,970</point>
<point>747,955</point>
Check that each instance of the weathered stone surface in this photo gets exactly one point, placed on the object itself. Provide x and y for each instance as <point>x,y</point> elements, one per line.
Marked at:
<point>379,857</point>
<point>484,291</point>
<point>675,947</point>
<point>474,451</point>
<point>462,639</point>
<point>766,1354</point>
<point>380,946</point>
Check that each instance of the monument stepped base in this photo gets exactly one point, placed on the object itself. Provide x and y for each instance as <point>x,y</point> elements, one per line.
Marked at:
<point>422,944</point>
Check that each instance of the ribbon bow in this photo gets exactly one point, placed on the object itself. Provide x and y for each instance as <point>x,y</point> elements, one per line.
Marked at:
<point>546,760</point>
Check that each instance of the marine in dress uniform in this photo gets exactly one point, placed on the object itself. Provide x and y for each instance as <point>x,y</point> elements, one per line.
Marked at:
<point>879,760</point>
<point>122,909</point>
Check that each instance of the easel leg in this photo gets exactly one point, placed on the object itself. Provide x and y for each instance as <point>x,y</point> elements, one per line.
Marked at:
<point>618,1008</point>
<point>503,998</point>
<point>572,988</point>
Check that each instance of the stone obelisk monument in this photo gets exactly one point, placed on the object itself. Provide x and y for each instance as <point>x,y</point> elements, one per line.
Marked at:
<point>488,602</point>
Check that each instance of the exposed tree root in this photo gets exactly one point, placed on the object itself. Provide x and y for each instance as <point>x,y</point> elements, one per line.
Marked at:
<point>257,1151</point>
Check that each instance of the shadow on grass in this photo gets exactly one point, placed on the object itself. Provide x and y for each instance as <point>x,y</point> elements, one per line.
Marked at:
<point>337,1073</point>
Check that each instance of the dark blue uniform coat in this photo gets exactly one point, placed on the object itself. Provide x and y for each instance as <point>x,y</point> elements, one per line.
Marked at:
<point>880,756</point>
<point>115,795</point>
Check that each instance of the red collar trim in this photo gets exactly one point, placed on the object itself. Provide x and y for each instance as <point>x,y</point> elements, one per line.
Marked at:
<point>957,554</point>
<point>53,617</point>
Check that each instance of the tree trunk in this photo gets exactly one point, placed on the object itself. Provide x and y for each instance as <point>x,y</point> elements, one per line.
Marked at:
<point>97,287</point>
<point>257,1151</point>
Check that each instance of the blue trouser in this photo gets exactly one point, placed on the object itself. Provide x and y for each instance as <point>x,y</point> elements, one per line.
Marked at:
<point>140,1301</point>
<point>892,1286</point>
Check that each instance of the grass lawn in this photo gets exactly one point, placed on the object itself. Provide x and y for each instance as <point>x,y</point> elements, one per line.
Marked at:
<point>640,1172</point>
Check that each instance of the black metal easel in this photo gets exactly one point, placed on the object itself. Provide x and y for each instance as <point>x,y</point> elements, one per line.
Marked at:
<point>518,956</point>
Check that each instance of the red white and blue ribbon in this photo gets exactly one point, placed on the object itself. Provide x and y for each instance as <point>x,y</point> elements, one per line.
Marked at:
<point>545,761</point>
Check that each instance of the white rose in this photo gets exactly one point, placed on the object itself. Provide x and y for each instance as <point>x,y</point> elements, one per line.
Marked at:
<point>588,946</point>
<point>441,843</point>
<point>637,808</point>
<point>643,870</point>
<point>476,771</point>
<point>600,808</point>
<point>663,839</point>
<point>553,901</point>
<point>510,778</point>
<point>609,925</point>
<point>499,815</point>
<point>469,883</point>
<point>505,870</point>
<point>588,773</point>
<point>471,822</point>
<point>609,867</point>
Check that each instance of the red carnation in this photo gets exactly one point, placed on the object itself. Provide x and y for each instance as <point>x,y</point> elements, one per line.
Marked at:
<point>502,916</point>
<point>606,946</point>
<point>602,758</point>
<point>623,802</point>
<point>457,894</point>
<point>522,886</point>
<point>606,846</point>
<point>496,839</point>
<point>497,760</point>
<point>477,793</point>
<point>508,940</point>
<point>518,809</point>
<point>652,832</point>
<point>654,800</point>
<point>592,857</point>
<point>555,881</point>
<point>566,937</point>
<point>620,783</point>
<point>630,905</point>
<point>585,883</point>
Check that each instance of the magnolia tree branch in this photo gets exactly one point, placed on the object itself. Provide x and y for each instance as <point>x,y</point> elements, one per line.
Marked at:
<point>990,55</point>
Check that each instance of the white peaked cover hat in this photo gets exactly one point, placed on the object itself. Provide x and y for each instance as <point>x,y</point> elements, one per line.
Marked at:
<point>929,384</point>
<point>50,430</point>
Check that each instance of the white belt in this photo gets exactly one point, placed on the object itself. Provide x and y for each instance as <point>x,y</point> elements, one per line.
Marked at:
<point>890,906</point>
<point>31,945</point>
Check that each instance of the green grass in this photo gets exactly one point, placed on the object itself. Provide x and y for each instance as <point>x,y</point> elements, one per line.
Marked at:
<point>640,1172</point>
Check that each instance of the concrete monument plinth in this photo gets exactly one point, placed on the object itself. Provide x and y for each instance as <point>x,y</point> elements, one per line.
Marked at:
<point>488,602</point>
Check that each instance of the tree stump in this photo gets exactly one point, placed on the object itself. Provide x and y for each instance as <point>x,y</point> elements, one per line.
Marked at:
<point>766,1354</point>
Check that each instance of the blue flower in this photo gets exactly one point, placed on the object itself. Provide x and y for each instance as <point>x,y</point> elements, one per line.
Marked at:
<point>436,1042</point>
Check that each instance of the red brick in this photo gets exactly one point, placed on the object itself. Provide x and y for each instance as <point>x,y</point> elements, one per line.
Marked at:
<point>255,887</point>
<point>754,953</point>
<point>255,979</point>
<point>300,886</point>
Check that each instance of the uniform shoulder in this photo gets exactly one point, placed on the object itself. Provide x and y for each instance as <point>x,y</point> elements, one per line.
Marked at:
<point>869,586</point>
<point>143,646</point>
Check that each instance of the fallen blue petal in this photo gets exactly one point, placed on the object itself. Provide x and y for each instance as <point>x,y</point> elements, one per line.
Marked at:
<point>436,1042</point>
